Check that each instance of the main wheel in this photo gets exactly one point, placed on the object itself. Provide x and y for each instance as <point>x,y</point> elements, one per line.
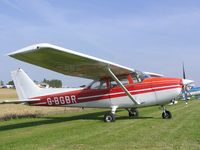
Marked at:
<point>109,117</point>
<point>166,115</point>
<point>133,112</point>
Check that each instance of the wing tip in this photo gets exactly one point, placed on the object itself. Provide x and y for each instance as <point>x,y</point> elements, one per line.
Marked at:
<point>29,48</point>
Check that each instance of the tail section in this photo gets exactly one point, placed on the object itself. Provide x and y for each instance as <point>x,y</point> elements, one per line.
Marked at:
<point>25,87</point>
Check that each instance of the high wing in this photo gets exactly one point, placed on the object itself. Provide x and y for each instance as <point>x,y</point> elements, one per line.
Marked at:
<point>68,62</point>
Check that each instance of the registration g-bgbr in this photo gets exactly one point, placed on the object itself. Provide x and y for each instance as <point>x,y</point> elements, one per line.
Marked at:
<point>61,100</point>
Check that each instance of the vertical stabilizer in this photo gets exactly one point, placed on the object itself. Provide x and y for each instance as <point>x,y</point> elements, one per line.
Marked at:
<point>25,87</point>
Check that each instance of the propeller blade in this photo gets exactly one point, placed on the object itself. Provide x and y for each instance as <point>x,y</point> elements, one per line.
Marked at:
<point>184,76</point>
<point>186,83</point>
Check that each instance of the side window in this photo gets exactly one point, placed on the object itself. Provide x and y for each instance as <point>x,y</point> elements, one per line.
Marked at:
<point>123,80</point>
<point>99,85</point>
<point>113,83</point>
<point>103,85</point>
<point>95,85</point>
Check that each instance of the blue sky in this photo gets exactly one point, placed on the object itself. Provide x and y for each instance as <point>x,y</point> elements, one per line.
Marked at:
<point>155,36</point>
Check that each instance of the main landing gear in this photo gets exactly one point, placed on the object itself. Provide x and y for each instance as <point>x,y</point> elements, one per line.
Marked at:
<point>166,114</point>
<point>110,117</point>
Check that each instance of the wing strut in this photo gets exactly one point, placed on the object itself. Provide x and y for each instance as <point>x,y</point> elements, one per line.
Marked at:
<point>122,86</point>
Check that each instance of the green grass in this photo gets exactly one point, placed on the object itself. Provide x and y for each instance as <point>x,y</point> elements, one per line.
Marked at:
<point>86,130</point>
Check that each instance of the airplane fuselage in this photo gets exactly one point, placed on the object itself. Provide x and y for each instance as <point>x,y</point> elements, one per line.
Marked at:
<point>151,91</point>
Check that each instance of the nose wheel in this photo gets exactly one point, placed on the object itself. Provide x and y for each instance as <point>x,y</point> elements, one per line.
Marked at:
<point>166,114</point>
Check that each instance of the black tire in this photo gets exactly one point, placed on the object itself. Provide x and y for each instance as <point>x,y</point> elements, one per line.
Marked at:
<point>166,115</point>
<point>109,117</point>
<point>133,113</point>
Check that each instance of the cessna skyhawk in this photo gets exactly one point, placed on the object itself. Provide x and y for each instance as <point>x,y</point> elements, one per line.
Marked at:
<point>114,86</point>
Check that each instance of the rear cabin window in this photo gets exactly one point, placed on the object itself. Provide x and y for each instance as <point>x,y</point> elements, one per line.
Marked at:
<point>98,85</point>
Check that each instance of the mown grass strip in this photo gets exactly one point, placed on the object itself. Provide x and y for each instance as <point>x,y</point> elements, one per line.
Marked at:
<point>86,130</point>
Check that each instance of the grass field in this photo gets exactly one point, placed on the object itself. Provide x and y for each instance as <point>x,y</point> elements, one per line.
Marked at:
<point>86,130</point>
<point>8,94</point>
<point>20,109</point>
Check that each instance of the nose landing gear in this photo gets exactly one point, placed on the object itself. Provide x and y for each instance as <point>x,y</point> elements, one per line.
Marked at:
<point>133,112</point>
<point>110,117</point>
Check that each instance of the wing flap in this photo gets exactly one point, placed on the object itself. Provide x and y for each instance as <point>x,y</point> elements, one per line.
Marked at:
<point>68,62</point>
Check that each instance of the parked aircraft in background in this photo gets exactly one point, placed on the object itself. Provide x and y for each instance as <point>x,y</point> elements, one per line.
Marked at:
<point>114,86</point>
<point>193,91</point>
<point>7,86</point>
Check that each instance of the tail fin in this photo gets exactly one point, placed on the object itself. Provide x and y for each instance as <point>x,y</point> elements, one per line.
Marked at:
<point>25,87</point>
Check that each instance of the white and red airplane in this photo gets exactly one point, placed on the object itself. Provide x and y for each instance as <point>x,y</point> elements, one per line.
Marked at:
<point>114,86</point>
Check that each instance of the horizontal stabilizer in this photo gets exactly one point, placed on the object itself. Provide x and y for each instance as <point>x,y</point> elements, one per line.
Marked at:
<point>18,102</point>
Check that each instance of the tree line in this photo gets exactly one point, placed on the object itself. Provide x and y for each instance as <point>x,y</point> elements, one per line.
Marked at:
<point>52,83</point>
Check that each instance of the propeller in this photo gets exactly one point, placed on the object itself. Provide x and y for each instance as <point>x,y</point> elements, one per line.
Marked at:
<point>186,85</point>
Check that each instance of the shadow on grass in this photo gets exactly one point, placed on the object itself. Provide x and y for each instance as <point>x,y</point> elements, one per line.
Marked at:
<point>52,120</point>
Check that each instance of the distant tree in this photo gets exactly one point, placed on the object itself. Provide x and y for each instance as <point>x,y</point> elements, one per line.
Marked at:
<point>35,81</point>
<point>1,82</point>
<point>56,83</point>
<point>45,81</point>
<point>53,83</point>
<point>10,82</point>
